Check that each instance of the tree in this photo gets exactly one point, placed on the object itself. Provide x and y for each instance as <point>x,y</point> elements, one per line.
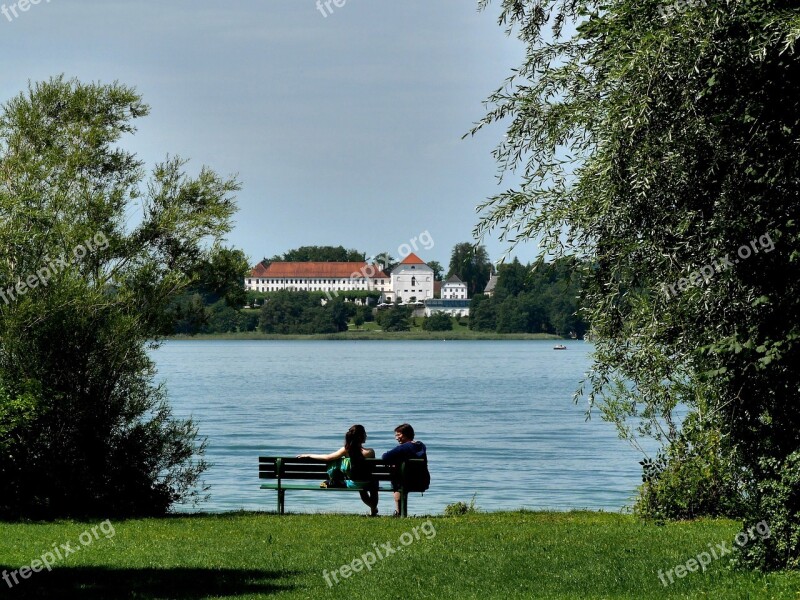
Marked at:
<point>482,313</point>
<point>213,301</point>
<point>358,319</point>
<point>283,312</point>
<point>396,318</point>
<point>512,279</point>
<point>387,260</point>
<point>650,146</point>
<point>363,315</point>
<point>223,318</point>
<point>438,321</point>
<point>84,293</point>
<point>472,265</point>
<point>532,299</point>
<point>289,312</point>
<point>437,269</point>
<point>190,315</point>
<point>222,276</point>
<point>321,254</point>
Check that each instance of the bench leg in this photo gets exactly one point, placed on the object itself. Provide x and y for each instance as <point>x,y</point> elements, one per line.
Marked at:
<point>404,504</point>
<point>280,501</point>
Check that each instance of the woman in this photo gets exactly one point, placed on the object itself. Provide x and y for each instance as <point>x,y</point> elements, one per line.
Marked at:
<point>359,475</point>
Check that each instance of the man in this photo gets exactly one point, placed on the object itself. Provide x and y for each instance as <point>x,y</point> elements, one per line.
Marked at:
<point>406,449</point>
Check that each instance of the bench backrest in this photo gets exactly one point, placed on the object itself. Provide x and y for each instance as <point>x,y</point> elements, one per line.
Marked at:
<point>289,467</point>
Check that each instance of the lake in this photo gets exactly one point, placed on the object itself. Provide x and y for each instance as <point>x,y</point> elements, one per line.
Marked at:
<point>497,418</point>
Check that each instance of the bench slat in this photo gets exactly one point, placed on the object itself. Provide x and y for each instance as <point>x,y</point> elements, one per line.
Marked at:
<point>296,486</point>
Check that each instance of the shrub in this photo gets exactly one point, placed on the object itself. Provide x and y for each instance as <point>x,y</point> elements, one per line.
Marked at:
<point>778,504</point>
<point>438,321</point>
<point>695,477</point>
<point>397,318</point>
<point>458,509</point>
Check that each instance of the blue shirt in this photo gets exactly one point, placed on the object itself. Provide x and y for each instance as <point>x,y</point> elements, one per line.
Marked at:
<point>404,451</point>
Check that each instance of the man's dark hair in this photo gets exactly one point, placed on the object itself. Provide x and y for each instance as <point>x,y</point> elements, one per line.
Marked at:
<point>406,429</point>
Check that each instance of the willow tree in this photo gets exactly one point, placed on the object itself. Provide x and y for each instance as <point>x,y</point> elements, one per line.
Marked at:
<point>92,252</point>
<point>659,141</point>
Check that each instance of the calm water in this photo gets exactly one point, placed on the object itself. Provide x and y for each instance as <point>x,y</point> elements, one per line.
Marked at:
<point>497,418</point>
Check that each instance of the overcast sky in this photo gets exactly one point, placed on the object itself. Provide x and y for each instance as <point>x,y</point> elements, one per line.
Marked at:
<point>343,129</point>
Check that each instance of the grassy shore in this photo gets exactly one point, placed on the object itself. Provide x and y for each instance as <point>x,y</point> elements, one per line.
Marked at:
<point>498,555</point>
<point>371,331</point>
<point>372,335</point>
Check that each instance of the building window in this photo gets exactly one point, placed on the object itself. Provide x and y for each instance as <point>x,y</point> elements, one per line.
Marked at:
<point>413,281</point>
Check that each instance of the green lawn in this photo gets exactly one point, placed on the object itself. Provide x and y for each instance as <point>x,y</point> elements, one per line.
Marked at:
<point>497,555</point>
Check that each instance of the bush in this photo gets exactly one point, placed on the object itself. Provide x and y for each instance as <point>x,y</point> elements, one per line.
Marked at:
<point>397,318</point>
<point>289,312</point>
<point>458,509</point>
<point>778,504</point>
<point>695,477</point>
<point>438,321</point>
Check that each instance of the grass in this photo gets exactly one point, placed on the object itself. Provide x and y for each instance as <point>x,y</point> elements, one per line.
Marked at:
<point>477,555</point>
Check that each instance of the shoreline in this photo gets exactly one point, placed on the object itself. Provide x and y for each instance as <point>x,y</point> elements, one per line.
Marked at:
<point>371,335</point>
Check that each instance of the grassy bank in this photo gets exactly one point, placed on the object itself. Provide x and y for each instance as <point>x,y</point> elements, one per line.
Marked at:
<point>498,555</point>
<point>373,335</point>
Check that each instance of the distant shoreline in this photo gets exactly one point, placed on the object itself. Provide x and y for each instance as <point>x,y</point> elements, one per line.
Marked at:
<point>372,335</point>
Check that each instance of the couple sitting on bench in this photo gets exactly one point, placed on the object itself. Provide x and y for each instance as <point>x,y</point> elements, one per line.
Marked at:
<point>356,470</point>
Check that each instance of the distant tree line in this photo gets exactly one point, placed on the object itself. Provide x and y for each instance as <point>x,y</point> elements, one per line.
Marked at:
<point>212,304</point>
<point>319,254</point>
<point>298,312</point>
<point>532,299</point>
<point>527,299</point>
<point>471,264</point>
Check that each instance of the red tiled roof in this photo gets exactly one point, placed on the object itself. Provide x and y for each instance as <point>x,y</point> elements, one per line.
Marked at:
<point>412,259</point>
<point>337,270</point>
<point>258,271</point>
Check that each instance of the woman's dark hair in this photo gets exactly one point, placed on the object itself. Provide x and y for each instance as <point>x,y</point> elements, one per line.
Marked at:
<point>406,429</point>
<point>354,440</point>
<point>354,445</point>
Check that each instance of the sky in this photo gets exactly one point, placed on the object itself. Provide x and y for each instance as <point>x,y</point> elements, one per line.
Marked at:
<point>344,126</point>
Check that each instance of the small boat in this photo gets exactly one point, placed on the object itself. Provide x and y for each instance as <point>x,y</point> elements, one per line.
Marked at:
<point>559,347</point>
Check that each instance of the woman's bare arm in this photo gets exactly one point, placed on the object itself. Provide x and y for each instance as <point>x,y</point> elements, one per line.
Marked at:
<point>326,457</point>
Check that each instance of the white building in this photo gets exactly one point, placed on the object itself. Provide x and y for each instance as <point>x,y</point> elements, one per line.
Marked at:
<point>332,277</point>
<point>411,281</point>
<point>454,308</point>
<point>454,289</point>
<point>490,285</point>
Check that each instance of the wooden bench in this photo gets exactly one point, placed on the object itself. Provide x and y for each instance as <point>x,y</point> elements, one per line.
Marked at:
<point>283,468</point>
